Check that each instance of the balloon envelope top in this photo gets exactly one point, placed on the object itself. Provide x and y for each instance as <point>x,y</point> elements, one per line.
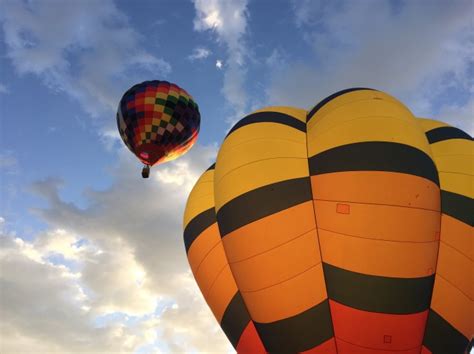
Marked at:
<point>158,121</point>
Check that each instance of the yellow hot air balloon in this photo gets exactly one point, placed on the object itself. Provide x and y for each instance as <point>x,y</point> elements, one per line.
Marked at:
<point>346,229</point>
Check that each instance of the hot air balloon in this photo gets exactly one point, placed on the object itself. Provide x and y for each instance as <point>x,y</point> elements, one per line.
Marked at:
<point>158,121</point>
<point>346,229</point>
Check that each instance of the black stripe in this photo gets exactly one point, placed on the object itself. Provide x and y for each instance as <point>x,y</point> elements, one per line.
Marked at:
<point>197,225</point>
<point>213,166</point>
<point>375,156</point>
<point>272,117</point>
<point>442,338</point>
<point>235,319</point>
<point>333,96</point>
<point>298,333</point>
<point>377,293</point>
<point>446,133</point>
<point>262,202</point>
<point>458,206</point>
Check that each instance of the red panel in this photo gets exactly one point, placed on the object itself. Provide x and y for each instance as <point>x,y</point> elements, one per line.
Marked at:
<point>328,347</point>
<point>149,107</point>
<point>348,348</point>
<point>380,331</point>
<point>424,350</point>
<point>250,342</point>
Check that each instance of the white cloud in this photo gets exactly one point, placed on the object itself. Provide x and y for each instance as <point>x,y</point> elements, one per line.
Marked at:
<point>44,307</point>
<point>228,20</point>
<point>199,53</point>
<point>81,48</point>
<point>219,64</point>
<point>122,257</point>
<point>3,89</point>
<point>417,51</point>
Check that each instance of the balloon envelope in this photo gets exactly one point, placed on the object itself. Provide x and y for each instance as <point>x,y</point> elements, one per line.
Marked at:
<point>158,121</point>
<point>344,230</point>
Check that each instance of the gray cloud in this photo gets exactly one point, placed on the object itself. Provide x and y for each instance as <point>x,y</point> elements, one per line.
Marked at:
<point>77,51</point>
<point>414,52</point>
<point>123,254</point>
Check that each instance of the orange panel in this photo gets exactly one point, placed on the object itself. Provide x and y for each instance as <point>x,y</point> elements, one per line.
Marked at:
<point>202,245</point>
<point>376,257</point>
<point>380,222</point>
<point>379,331</point>
<point>269,232</point>
<point>458,235</point>
<point>349,348</point>
<point>377,187</point>
<point>288,298</point>
<point>328,347</point>
<point>454,306</point>
<point>211,266</point>
<point>454,267</point>
<point>277,264</point>
<point>221,293</point>
<point>249,342</point>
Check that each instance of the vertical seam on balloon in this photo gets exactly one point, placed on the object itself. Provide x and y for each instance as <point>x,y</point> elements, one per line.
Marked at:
<point>317,232</point>
<point>439,240</point>
<point>230,268</point>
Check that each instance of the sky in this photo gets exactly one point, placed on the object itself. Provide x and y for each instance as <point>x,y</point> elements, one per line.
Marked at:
<point>91,255</point>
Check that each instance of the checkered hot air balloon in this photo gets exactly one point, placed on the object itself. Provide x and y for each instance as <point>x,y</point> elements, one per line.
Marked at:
<point>343,230</point>
<point>158,121</point>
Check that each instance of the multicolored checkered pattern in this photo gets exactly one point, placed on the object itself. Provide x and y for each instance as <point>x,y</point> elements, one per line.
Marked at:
<point>158,121</point>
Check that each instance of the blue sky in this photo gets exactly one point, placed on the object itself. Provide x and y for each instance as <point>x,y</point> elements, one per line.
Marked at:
<point>75,211</point>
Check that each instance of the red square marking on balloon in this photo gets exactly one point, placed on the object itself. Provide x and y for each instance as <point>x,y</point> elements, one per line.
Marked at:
<point>343,208</point>
<point>387,339</point>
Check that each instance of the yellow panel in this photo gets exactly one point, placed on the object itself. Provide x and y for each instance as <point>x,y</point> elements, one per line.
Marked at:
<point>260,131</point>
<point>458,235</point>
<point>201,197</point>
<point>376,257</point>
<point>257,150</point>
<point>362,109</point>
<point>453,306</point>
<point>454,267</point>
<point>352,97</point>
<point>367,129</point>
<point>258,174</point>
<point>297,113</point>
<point>161,95</point>
<point>427,124</point>
<point>457,183</point>
<point>455,163</point>
<point>289,298</point>
<point>277,264</point>
<point>149,100</point>
<point>453,147</point>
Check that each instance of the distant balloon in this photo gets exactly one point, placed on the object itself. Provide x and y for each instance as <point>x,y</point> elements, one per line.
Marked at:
<point>158,121</point>
<point>346,229</point>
